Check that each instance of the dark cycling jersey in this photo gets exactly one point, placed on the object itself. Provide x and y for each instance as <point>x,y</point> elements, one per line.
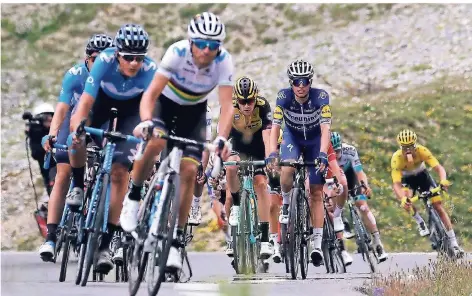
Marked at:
<point>106,75</point>
<point>303,120</point>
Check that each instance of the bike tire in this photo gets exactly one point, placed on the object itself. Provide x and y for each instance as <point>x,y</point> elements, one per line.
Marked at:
<point>294,241</point>
<point>251,224</point>
<point>136,258</point>
<point>440,236</point>
<point>362,241</point>
<point>283,232</point>
<point>170,208</point>
<point>95,233</point>
<point>66,250</point>
<point>304,224</point>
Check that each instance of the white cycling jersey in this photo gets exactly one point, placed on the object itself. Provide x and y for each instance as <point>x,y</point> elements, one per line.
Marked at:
<point>189,85</point>
<point>349,158</point>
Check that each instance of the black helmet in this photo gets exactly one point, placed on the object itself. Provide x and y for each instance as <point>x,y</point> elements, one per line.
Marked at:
<point>97,43</point>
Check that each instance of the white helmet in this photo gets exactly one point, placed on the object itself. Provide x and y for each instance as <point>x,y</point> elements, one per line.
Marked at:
<point>300,69</point>
<point>206,25</point>
<point>43,108</point>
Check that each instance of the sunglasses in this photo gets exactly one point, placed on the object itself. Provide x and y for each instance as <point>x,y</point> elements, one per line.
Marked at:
<point>246,101</point>
<point>408,147</point>
<point>132,57</point>
<point>300,82</point>
<point>202,44</point>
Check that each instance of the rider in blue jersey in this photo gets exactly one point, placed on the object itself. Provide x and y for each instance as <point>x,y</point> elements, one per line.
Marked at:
<point>117,80</point>
<point>72,87</point>
<point>307,117</point>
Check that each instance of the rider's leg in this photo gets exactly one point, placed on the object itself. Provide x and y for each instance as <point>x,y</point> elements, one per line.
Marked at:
<point>263,202</point>
<point>195,211</point>
<point>77,157</point>
<point>317,220</point>
<point>234,189</point>
<point>437,205</point>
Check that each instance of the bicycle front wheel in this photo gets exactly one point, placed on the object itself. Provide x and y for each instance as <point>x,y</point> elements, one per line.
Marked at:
<point>66,247</point>
<point>304,226</point>
<point>95,233</point>
<point>165,234</point>
<point>294,235</point>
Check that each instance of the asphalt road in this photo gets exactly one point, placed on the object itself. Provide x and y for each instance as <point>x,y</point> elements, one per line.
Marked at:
<point>24,274</point>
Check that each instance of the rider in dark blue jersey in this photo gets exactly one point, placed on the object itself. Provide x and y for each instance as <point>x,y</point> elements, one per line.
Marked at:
<point>307,117</point>
<point>117,80</point>
<point>73,85</point>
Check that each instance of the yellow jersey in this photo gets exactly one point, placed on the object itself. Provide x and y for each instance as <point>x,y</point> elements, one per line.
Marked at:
<point>401,167</point>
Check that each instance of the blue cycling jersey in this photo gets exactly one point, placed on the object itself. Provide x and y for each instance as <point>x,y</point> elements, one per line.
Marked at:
<point>105,74</point>
<point>303,120</point>
<point>73,85</point>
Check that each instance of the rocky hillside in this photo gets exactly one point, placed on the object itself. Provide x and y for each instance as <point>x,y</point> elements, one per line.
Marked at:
<point>361,53</point>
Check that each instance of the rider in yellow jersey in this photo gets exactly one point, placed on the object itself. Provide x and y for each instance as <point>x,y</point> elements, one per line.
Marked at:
<point>409,170</point>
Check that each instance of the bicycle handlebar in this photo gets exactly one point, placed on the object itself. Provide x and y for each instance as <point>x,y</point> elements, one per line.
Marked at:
<point>207,146</point>
<point>297,164</point>
<point>47,157</point>
<point>426,194</point>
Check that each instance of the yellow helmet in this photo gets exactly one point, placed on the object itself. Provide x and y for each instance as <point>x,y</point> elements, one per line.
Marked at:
<point>406,137</point>
<point>245,89</point>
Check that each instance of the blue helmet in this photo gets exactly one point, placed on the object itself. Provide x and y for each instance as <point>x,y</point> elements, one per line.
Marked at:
<point>132,38</point>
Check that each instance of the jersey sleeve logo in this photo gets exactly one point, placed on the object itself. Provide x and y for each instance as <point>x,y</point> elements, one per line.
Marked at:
<point>281,95</point>
<point>75,71</point>
<point>180,51</point>
<point>90,80</point>
<point>278,113</point>
<point>104,57</point>
<point>323,95</point>
<point>326,111</point>
<point>150,66</point>
<point>260,102</point>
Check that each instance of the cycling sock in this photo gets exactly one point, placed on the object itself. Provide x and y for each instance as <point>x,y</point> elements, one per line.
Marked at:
<point>107,236</point>
<point>78,175</point>
<point>376,236</point>
<point>236,199</point>
<point>274,237</point>
<point>317,237</point>
<point>51,236</point>
<point>286,197</point>
<point>196,201</point>
<point>451,235</point>
<point>418,218</point>
<point>179,239</point>
<point>264,227</point>
<point>135,191</point>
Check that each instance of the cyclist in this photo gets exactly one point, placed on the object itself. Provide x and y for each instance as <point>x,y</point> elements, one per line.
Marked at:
<point>409,171</point>
<point>195,217</point>
<point>307,116</point>
<point>348,160</point>
<point>118,79</point>
<point>275,201</point>
<point>218,195</point>
<point>188,72</point>
<point>72,87</point>
<point>250,138</point>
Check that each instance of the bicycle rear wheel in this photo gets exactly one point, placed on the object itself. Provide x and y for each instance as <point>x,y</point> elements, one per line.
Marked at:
<point>66,247</point>
<point>95,233</point>
<point>294,235</point>
<point>165,234</point>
